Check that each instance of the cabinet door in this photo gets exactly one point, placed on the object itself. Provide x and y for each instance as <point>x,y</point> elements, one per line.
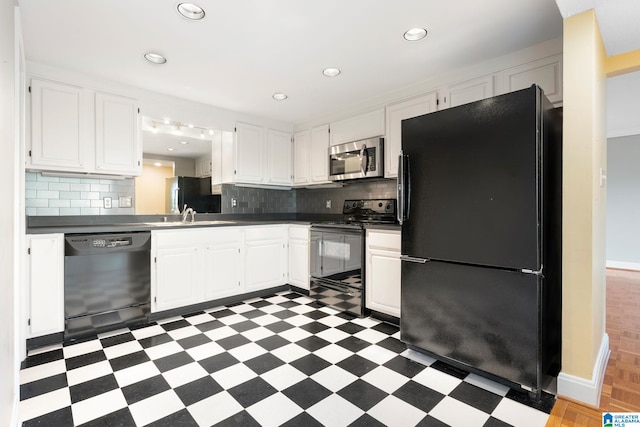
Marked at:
<point>118,142</point>
<point>466,92</point>
<point>279,158</point>
<point>383,281</point>
<point>46,279</point>
<point>299,263</point>
<point>223,270</point>
<point>59,133</point>
<point>363,126</point>
<point>546,73</point>
<point>248,153</point>
<point>265,262</point>
<point>395,114</point>
<point>222,163</point>
<point>319,160</point>
<point>301,145</point>
<point>178,278</point>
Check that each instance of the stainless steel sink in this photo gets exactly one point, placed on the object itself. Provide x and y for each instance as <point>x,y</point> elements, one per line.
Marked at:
<point>185,224</point>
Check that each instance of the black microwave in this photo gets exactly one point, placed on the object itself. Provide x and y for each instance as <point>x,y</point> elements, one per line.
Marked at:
<point>358,159</point>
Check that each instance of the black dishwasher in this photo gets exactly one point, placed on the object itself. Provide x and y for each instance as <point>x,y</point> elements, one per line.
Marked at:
<point>107,281</point>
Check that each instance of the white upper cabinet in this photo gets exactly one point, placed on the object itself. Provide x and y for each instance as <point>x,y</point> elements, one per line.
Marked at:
<point>545,72</point>
<point>319,162</point>
<point>222,163</point>
<point>249,153</point>
<point>395,114</point>
<point>59,127</point>
<point>118,142</point>
<point>279,157</point>
<point>363,126</point>
<point>66,138</point>
<point>466,92</point>
<point>301,146</point>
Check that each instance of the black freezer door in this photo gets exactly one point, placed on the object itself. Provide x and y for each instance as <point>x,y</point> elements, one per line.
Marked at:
<point>480,317</point>
<point>475,182</point>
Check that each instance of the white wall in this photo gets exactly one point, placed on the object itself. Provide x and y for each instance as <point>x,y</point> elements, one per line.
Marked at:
<point>8,218</point>
<point>623,202</point>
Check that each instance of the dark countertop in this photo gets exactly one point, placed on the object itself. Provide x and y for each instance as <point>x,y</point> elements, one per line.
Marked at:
<point>129,223</point>
<point>391,227</point>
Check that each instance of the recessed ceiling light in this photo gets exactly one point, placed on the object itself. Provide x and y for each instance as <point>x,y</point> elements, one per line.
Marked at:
<point>184,142</point>
<point>191,11</point>
<point>279,96</point>
<point>156,58</point>
<point>158,164</point>
<point>331,72</point>
<point>415,34</point>
<point>171,149</point>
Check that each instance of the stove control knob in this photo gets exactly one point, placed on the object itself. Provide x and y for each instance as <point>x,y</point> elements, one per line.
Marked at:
<point>388,207</point>
<point>380,204</point>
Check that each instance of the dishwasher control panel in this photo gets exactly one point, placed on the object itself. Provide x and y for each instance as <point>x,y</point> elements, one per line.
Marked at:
<point>111,243</point>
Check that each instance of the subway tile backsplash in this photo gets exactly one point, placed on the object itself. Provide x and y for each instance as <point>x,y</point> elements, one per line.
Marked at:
<point>55,196</point>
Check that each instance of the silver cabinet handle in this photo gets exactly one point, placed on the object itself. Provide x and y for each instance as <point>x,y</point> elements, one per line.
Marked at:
<point>400,190</point>
<point>413,259</point>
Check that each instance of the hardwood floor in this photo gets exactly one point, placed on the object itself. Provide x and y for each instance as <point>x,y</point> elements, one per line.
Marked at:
<point>621,388</point>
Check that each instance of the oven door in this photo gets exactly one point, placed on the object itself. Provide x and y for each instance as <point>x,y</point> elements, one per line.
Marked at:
<point>359,159</point>
<point>337,276</point>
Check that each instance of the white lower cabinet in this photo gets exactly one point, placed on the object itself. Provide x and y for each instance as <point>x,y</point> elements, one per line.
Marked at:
<point>178,277</point>
<point>299,256</point>
<point>265,257</point>
<point>203,264</point>
<point>223,263</point>
<point>46,284</point>
<point>383,271</point>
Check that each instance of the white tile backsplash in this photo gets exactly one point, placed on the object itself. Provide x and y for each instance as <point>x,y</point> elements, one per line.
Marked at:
<point>51,195</point>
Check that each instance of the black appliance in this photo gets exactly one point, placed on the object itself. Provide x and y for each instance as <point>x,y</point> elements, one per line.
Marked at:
<point>194,192</point>
<point>479,194</point>
<point>337,253</point>
<point>107,282</point>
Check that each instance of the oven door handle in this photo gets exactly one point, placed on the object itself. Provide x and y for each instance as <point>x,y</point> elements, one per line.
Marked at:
<point>364,159</point>
<point>339,287</point>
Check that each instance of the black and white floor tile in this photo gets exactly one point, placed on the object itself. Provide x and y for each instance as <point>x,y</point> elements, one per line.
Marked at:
<point>280,360</point>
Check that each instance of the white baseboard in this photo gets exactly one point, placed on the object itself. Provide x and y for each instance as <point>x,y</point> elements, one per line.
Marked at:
<point>584,390</point>
<point>622,265</point>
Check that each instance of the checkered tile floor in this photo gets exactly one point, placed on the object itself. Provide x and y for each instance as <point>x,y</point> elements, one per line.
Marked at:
<point>280,360</point>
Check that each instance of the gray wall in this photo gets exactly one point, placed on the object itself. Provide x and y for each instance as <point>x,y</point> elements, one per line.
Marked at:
<point>623,199</point>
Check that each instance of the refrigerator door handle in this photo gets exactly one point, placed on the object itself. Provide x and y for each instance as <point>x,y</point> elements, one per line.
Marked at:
<point>413,259</point>
<point>403,192</point>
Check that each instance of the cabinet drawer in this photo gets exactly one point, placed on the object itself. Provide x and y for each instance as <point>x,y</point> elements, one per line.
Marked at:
<point>218,235</point>
<point>266,233</point>
<point>384,239</point>
<point>299,232</point>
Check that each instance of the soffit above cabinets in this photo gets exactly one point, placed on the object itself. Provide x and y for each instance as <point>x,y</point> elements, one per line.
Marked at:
<point>242,53</point>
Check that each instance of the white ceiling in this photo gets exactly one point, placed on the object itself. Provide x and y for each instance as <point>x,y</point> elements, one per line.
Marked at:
<point>245,51</point>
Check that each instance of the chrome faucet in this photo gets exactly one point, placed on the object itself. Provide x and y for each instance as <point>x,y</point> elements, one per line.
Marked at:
<point>186,212</point>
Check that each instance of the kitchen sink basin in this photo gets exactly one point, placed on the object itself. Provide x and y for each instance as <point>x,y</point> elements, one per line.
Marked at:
<point>186,224</point>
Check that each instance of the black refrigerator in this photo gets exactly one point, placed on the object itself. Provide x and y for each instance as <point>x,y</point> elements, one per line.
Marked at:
<point>193,192</point>
<point>480,199</point>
